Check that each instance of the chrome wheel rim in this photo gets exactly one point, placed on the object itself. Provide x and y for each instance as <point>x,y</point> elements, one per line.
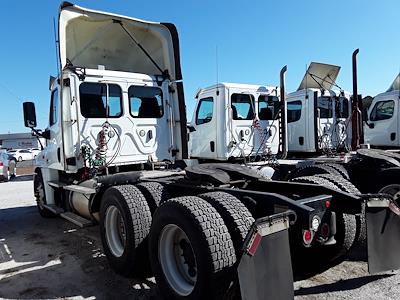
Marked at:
<point>115,231</point>
<point>177,259</point>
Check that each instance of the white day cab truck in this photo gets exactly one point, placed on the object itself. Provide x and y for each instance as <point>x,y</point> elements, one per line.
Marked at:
<point>115,146</point>
<point>381,122</point>
<point>332,125</point>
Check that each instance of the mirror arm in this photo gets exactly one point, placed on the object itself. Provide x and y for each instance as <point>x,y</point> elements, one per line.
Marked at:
<point>38,133</point>
<point>370,125</point>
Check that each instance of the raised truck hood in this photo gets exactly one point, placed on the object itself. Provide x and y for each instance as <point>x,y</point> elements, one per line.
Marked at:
<point>89,38</point>
<point>319,75</point>
<point>395,86</point>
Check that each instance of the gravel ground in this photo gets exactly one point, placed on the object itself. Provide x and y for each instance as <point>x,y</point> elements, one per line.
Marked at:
<point>49,259</point>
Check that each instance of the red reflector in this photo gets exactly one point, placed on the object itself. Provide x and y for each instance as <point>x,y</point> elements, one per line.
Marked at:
<point>307,237</point>
<point>254,244</point>
<point>327,204</point>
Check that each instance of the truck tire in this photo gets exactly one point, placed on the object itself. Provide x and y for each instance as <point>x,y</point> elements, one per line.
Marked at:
<point>155,194</point>
<point>40,195</point>
<point>346,225</point>
<point>125,221</point>
<point>342,183</point>
<point>342,170</point>
<point>236,216</point>
<point>191,251</point>
<point>315,180</point>
<point>314,170</point>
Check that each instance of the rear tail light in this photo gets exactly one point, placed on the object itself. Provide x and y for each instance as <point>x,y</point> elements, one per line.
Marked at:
<point>1,163</point>
<point>327,204</point>
<point>307,237</point>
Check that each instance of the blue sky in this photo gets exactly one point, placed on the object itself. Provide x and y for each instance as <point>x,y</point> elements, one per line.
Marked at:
<point>254,40</point>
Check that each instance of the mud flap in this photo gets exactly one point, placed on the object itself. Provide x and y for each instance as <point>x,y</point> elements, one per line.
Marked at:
<point>383,235</point>
<point>265,269</point>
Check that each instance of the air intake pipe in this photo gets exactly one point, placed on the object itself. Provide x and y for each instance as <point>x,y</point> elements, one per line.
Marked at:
<point>283,124</point>
<point>356,118</point>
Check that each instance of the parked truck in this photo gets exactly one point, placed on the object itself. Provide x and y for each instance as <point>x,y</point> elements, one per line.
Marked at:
<point>115,147</point>
<point>318,127</point>
<point>255,133</point>
<point>381,127</point>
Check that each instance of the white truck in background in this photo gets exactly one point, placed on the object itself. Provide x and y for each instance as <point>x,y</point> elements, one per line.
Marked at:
<point>381,123</point>
<point>318,116</point>
<point>241,134</point>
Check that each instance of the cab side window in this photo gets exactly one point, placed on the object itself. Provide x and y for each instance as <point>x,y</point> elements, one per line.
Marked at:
<point>204,111</point>
<point>382,110</point>
<point>53,108</point>
<point>293,111</point>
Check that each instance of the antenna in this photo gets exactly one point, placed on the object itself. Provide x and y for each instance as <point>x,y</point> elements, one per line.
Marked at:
<point>57,46</point>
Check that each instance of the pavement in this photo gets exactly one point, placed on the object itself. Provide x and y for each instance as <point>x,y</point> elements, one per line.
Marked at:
<point>54,259</point>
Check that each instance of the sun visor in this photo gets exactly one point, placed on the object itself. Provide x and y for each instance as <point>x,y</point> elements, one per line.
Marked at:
<point>319,76</point>
<point>90,39</point>
<point>395,85</point>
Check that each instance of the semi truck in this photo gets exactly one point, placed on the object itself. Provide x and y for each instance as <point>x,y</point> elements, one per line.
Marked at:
<point>257,133</point>
<point>381,127</point>
<point>116,146</point>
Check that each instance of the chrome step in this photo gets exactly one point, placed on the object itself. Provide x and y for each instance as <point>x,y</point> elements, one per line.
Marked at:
<point>77,220</point>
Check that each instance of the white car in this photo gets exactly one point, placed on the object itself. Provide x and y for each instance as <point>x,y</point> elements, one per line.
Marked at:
<point>21,154</point>
<point>4,166</point>
<point>35,152</point>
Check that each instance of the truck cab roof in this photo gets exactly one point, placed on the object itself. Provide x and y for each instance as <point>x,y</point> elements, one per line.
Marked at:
<point>254,88</point>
